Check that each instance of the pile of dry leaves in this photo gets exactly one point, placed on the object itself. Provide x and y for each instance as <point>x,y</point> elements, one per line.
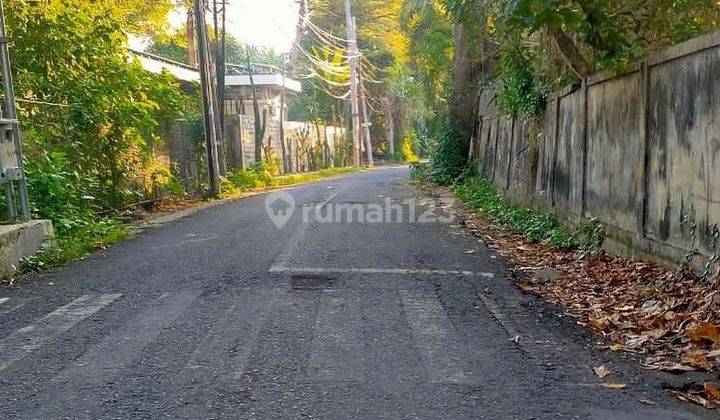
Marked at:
<point>671,318</point>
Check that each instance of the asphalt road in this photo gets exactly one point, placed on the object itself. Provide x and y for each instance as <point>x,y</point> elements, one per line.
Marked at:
<point>223,315</point>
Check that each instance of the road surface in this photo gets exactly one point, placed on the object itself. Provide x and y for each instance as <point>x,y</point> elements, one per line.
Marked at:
<point>223,315</point>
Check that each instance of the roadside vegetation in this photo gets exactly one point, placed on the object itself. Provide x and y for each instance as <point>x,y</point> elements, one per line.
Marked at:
<point>535,226</point>
<point>92,119</point>
<point>259,177</point>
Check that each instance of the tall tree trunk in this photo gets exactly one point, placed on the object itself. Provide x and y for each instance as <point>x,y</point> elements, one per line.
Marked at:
<point>466,70</point>
<point>192,57</point>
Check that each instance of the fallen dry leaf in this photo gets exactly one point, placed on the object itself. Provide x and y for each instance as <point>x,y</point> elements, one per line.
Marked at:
<point>666,314</point>
<point>697,394</point>
<point>601,371</point>
<point>598,322</point>
<point>706,331</point>
<point>712,389</point>
<point>525,287</point>
<point>693,398</point>
<point>613,385</point>
<point>669,366</point>
<point>696,359</point>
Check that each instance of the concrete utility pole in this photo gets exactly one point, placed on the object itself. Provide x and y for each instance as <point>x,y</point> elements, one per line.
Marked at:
<point>390,125</point>
<point>366,121</point>
<point>354,106</point>
<point>304,11</point>
<point>209,104</point>
<point>366,125</point>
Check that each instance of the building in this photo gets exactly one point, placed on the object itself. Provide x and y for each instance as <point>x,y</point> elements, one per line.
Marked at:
<point>308,145</point>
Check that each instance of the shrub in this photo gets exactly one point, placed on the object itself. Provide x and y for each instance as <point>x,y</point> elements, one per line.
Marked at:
<point>245,179</point>
<point>407,148</point>
<point>447,163</point>
<point>534,226</point>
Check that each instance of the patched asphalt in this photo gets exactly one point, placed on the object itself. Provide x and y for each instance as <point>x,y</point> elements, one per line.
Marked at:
<point>223,315</point>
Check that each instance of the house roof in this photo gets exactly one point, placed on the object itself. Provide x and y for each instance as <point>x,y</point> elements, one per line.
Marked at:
<point>267,76</point>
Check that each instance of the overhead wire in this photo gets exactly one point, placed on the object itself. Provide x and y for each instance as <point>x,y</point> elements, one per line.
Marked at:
<point>324,40</point>
<point>344,96</point>
<point>331,43</point>
<point>324,32</point>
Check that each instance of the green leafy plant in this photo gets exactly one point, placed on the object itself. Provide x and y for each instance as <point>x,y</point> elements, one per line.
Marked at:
<point>520,90</point>
<point>542,227</point>
<point>447,163</point>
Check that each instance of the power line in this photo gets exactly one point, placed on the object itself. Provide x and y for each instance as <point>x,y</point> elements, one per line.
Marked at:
<point>322,32</point>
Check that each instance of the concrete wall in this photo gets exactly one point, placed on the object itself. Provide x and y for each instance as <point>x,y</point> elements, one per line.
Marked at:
<point>185,147</point>
<point>638,151</point>
<point>22,240</point>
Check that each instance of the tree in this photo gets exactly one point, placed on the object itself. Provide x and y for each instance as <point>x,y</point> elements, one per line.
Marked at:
<point>109,111</point>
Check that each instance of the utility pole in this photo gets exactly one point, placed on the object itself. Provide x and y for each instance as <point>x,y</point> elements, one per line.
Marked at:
<point>219,9</point>
<point>354,107</point>
<point>206,81</point>
<point>366,121</point>
<point>10,124</point>
<point>390,119</point>
<point>303,11</point>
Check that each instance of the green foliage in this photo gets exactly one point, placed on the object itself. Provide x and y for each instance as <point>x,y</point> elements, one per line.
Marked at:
<point>534,226</point>
<point>170,49</point>
<point>407,147</point>
<point>447,163</point>
<point>259,176</point>
<point>245,179</point>
<point>606,34</point>
<point>342,150</point>
<point>92,119</point>
<point>93,235</point>
<point>520,92</point>
<point>56,194</point>
<point>112,111</point>
<point>418,172</point>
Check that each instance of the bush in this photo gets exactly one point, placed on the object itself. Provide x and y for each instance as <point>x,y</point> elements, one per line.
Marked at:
<point>245,179</point>
<point>447,163</point>
<point>57,193</point>
<point>407,148</point>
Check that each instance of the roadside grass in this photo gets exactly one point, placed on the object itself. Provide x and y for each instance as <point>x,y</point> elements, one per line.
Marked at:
<point>71,245</point>
<point>86,232</point>
<point>259,178</point>
<point>535,226</point>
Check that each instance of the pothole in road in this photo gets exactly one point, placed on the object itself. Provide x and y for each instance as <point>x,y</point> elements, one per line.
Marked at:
<point>302,282</point>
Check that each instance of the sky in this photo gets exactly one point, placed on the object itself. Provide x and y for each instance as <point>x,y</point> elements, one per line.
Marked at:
<point>265,23</point>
